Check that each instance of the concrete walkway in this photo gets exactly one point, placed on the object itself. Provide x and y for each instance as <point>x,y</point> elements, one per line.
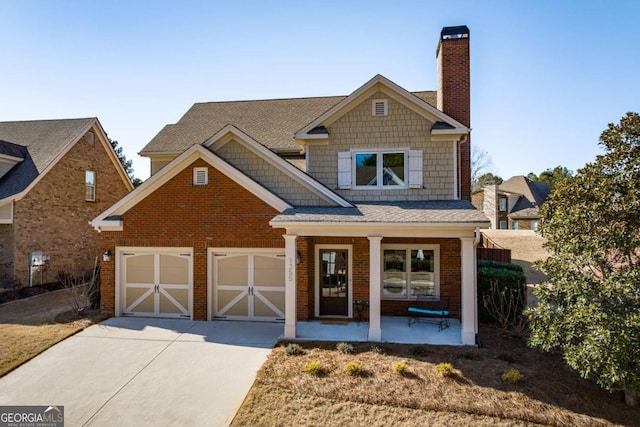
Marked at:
<point>134,371</point>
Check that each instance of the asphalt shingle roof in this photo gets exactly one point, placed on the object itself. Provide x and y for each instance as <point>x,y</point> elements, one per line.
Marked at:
<point>428,212</point>
<point>534,191</point>
<point>37,141</point>
<point>271,122</point>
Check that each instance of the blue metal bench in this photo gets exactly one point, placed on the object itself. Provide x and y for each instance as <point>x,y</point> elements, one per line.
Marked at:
<point>430,311</point>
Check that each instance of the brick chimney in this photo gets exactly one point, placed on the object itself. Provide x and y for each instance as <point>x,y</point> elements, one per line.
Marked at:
<point>454,92</point>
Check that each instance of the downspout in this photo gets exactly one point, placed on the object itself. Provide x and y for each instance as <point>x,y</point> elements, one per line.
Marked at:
<point>475,283</point>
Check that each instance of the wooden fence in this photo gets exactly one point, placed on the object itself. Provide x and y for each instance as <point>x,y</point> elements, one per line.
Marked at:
<point>488,250</point>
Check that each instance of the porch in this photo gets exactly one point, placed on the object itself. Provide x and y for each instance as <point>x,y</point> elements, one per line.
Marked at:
<point>395,329</point>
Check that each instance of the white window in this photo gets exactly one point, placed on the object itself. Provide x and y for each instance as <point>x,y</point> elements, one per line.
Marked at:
<point>90,186</point>
<point>410,271</point>
<point>503,205</point>
<point>514,225</point>
<point>503,225</point>
<point>379,107</point>
<point>482,205</point>
<point>200,176</point>
<point>534,225</point>
<point>380,169</point>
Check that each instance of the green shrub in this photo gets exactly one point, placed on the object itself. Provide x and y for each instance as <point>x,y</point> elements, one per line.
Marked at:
<point>511,375</point>
<point>353,368</point>
<point>400,367</point>
<point>345,347</point>
<point>314,368</point>
<point>293,349</point>
<point>508,277</point>
<point>444,369</point>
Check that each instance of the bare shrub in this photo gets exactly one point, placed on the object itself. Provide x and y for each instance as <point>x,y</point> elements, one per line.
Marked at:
<point>83,290</point>
<point>505,306</point>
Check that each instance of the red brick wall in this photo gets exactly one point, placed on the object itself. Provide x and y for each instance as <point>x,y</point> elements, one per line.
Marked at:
<point>179,214</point>
<point>450,276</point>
<point>456,99</point>
<point>54,216</point>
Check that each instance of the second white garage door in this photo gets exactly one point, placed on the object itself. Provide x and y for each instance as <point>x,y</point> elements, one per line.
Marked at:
<point>247,284</point>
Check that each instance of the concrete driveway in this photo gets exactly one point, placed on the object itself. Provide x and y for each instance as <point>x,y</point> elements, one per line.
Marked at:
<point>134,371</point>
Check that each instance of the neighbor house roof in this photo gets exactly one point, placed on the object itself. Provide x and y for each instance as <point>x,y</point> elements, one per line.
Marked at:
<point>271,122</point>
<point>534,191</point>
<point>40,144</point>
<point>45,139</point>
<point>447,212</point>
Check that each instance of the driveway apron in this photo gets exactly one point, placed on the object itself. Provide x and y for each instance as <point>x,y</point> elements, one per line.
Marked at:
<point>137,371</point>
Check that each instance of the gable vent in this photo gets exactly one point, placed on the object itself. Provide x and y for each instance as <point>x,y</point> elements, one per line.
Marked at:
<point>200,176</point>
<point>379,107</point>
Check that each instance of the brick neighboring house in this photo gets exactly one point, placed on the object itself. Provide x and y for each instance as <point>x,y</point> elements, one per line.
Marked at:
<point>55,176</point>
<point>294,209</point>
<point>514,204</point>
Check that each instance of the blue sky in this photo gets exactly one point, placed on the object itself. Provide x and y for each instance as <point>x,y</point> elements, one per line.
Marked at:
<point>547,76</point>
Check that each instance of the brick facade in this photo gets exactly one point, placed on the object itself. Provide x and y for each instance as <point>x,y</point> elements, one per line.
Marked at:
<point>450,277</point>
<point>53,217</point>
<point>180,214</point>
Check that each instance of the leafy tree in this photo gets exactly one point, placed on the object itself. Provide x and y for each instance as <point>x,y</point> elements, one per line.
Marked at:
<point>126,164</point>
<point>590,311</point>
<point>487,179</point>
<point>552,176</point>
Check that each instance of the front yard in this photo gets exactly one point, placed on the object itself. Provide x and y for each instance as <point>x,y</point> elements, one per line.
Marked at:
<point>549,394</point>
<point>29,327</point>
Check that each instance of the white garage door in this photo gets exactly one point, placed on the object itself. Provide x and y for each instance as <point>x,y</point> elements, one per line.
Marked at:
<point>248,285</point>
<point>155,282</point>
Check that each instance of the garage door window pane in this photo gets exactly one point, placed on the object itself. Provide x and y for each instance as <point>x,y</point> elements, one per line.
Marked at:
<point>174,270</point>
<point>140,269</point>
<point>268,271</point>
<point>233,270</point>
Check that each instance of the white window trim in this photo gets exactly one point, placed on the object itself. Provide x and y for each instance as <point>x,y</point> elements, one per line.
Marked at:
<point>196,171</point>
<point>500,201</point>
<point>500,225</point>
<point>385,107</point>
<point>90,196</point>
<point>379,174</point>
<point>408,249</point>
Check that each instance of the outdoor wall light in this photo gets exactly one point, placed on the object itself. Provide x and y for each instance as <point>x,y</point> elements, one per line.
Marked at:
<point>298,258</point>
<point>106,256</point>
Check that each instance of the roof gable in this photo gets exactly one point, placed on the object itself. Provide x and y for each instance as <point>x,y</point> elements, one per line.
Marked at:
<point>535,192</point>
<point>109,220</point>
<point>380,83</point>
<point>230,132</point>
<point>41,144</point>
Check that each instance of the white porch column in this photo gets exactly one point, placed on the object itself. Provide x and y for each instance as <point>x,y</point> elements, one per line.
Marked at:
<point>469,291</point>
<point>375,266</point>
<point>290,286</point>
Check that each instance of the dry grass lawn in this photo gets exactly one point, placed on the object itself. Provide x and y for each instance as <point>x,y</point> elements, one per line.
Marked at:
<point>29,327</point>
<point>549,394</point>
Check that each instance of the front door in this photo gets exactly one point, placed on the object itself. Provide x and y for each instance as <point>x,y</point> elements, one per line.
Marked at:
<point>334,282</point>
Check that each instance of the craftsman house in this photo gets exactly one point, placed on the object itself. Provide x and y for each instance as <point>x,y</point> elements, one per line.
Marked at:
<point>55,176</point>
<point>514,204</point>
<point>295,209</point>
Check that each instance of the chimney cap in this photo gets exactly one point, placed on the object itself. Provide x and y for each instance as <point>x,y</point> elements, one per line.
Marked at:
<point>451,33</point>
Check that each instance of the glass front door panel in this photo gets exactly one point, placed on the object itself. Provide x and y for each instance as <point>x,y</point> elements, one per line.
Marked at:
<point>334,286</point>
